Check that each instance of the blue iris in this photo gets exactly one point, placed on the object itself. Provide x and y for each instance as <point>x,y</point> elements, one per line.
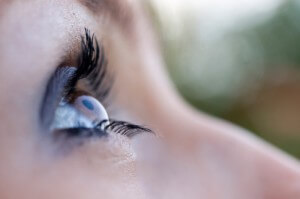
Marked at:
<point>88,104</point>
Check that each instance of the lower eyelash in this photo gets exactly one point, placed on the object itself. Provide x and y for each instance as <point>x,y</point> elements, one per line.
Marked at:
<point>102,128</point>
<point>124,128</point>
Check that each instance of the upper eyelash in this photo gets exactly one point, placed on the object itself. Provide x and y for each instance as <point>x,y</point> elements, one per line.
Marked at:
<point>87,61</point>
<point>92,68</point>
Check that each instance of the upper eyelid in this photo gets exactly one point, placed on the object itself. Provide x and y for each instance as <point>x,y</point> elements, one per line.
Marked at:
<point>53,93</point>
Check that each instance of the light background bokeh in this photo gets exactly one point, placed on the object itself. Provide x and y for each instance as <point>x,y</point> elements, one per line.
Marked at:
<point>237,59</point>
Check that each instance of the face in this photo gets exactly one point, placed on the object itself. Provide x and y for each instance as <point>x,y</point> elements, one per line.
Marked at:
<point>78,78</point>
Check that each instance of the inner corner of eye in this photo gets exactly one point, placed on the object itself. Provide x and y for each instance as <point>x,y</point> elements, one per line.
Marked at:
<point>84,112</point>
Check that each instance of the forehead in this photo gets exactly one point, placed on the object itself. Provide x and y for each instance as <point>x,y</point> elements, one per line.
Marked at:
<point>117,9</point>
<point>120,10</point>
<point>33,17</point>
<point>113,13</point>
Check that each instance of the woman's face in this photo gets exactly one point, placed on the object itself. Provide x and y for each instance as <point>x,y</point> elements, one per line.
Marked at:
<point>189,155</point>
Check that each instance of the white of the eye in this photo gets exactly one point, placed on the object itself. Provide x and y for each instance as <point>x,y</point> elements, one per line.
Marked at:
<point>91,108</point>
<point>66,116</point>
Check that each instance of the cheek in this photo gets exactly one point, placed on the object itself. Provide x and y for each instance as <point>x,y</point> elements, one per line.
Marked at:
<point>87,172</point>
<point>69,181</point>
<point>167,171</point>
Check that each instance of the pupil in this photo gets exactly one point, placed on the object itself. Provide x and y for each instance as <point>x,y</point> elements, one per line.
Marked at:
<point>88,104</point>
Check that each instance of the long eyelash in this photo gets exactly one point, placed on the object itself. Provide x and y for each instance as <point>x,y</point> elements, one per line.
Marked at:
<point>124,128</point>
<point>92,68</point>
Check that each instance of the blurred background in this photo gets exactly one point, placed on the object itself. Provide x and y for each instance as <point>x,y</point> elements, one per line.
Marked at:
<point>238,60</point>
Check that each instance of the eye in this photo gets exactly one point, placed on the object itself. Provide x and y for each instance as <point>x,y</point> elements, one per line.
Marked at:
<point>85,112</point>
<point>73,104</point>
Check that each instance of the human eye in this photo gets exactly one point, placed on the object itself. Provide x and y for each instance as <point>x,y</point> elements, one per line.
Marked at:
<point>76,97</point>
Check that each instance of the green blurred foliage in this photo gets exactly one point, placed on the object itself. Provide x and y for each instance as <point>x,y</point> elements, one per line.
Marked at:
<point>228,74</point>
<point>279,36</point>
<point>277,41</point>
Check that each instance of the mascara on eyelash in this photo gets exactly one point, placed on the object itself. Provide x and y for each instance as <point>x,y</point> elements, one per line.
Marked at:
<point>92,69</point>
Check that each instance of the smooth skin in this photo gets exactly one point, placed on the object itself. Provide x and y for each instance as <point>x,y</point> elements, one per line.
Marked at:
<point>193,155</point>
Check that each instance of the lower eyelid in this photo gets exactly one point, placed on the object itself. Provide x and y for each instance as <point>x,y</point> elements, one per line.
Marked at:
<point>80,133</point>
<point>67,140</point>
<point>110,147</point>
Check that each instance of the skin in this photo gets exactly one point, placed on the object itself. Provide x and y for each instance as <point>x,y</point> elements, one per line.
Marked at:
<point>193,156</point>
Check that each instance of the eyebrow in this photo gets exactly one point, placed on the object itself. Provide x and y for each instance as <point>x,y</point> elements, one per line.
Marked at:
<point>118,10</point>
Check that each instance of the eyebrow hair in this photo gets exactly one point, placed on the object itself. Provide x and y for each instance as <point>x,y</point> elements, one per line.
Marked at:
<point>118,10</point>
